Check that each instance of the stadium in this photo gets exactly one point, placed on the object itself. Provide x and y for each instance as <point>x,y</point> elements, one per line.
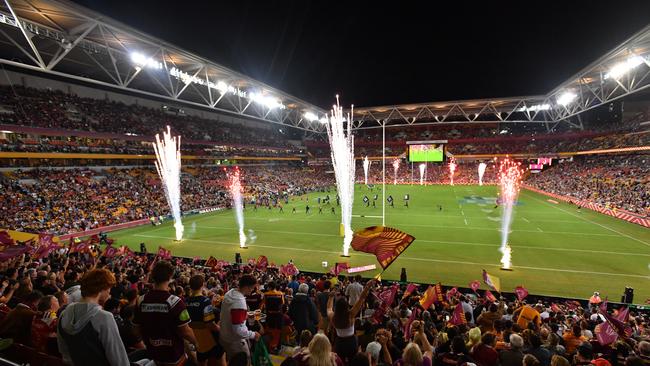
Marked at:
<point>161,208</point>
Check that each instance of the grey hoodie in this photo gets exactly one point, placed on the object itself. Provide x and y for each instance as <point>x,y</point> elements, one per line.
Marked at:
<point>86,334</point>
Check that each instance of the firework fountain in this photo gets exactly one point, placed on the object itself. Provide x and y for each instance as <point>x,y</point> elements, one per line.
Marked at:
<point>366,168</point>
<point>509,182</point>
<point>452,170</point>
<point>423,169</point>
<point>395,169</point>
<point>481,172</point>
<point>342,148</point>
<point>168,165</point>
<point>235,188</point>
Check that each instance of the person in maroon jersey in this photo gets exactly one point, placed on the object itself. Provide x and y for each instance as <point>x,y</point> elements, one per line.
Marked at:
<point>163,319</point>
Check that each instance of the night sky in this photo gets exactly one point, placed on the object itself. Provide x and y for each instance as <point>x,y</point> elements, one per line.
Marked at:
<point>400,52</point>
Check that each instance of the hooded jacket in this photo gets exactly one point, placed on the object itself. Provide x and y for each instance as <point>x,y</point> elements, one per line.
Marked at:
<point>88,335</point>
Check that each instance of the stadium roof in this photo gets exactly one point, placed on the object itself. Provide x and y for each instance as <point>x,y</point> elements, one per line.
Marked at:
<point>64,39</point>
<point>623,71</point>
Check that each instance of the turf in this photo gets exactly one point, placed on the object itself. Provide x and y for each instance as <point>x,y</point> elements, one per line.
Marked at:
<point>557,249</point>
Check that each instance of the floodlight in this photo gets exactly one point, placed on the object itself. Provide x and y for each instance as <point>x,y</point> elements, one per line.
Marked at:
<point>624,67</point>
<point>566,98</point>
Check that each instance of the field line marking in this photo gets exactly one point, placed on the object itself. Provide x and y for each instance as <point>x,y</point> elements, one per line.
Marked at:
<point>369,216</point>
<point>403,257</point>
<point>593,222</point>
<point>525,219</point>
<point>540,230</point>
<point>428,226</point>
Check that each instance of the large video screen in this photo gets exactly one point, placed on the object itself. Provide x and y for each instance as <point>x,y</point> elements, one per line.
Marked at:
<point>427,153</point>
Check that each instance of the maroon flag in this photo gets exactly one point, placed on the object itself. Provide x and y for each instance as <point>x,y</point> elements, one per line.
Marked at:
<point>458,317</point>
<point>409,290</point>
<point>474,285</point>
<point>164,253</point>
<point>5,238</point>
<point>451,294</point>
<point>339,267</point>
<point>609,331</point>
<point>386,297</point>
<point>521,292</point>
<point>80,247</point>
<point>13,251</point>
<point>407,326</point>
<point>109,251</point>
<point>384,242</point>
<point>262,262</point>
<point>555,308</point>
<point>211,262</point>
<point>291,269</point>
<point>489,296</point>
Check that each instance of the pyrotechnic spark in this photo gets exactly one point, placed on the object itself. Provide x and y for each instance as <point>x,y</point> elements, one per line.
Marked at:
<point>452,169</point>
<point>481,172</point>
<point>510,175</point>
<point>423,168</point>
<point>168,165</point>
<point>342,150</point>
<point>395,169</point>
<point>366,167</point>
<point>235,188</point>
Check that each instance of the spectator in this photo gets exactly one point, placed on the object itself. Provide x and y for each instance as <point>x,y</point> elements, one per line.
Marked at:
<point>513,356</point>
<point>484,353</point>
<point>163,319</point>
<point>342,318</point>
<point>17,324</point>
<point>44,326</point>
<point>205,329</point>
<point>320,353</point>
<point>86,334</point>
<point>303,311</point>
<point>234,335</point>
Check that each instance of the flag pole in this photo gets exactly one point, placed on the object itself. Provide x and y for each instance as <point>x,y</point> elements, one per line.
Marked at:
<point>383,174</point>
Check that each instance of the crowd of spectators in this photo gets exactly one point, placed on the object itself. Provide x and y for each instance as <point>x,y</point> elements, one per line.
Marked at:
<point>611,181</point>
<point>56,109</point>
<point>66,201</point>
<point>91,309</point>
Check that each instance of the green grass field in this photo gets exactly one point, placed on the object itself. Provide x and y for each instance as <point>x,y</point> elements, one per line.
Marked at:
<point>557,250</point>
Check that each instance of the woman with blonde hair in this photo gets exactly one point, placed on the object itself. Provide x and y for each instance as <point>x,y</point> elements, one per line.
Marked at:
<point>319,353</point>
<point>558,360</point>
<point>474,338</point>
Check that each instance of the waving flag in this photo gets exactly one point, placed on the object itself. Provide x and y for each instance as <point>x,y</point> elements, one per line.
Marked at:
<point>386,298</point>
<point>409,290</point>
<point>262,262</point>
<point>451,294</point>
<point>289,269</point>
<point>384,242</point>
<point>521,292</point>
<point>474,285</point>
<point>407,326</point>
<point>164,253</point>
<point>5,238</point>
<point>493,282</point>
<point>211,262</point>
<point>489,296</point>
<point>13,251</point>
<point>555,308</point>
<point>432,295</point>
<point>339,267</point>
<point>609,331</point>
<point>458,317</point>
<point>80,246</point>
<point>109,251</point>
